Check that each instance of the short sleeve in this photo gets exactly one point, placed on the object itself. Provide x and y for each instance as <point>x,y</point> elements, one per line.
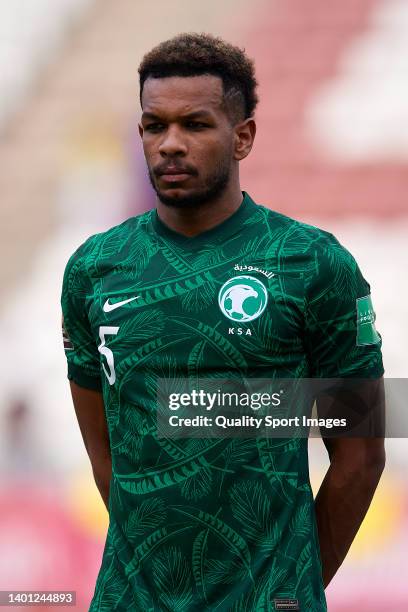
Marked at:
<point>79,343</point>
<point>340,333</point>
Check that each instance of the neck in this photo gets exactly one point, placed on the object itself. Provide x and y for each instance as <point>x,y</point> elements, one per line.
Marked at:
<point>197,219</point>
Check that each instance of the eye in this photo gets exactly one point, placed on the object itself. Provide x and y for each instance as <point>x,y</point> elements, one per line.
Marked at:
<point>196,125</point>
<point>154,127</point>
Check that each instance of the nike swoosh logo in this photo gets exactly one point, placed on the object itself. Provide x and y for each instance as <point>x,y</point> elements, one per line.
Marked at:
<point>107,307</point>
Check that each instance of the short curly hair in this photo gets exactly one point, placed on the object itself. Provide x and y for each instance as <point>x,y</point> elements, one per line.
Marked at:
<point>194,54</point>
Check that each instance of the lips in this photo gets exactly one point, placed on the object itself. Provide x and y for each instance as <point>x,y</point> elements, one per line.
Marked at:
<point>173,174</point>
<point>174,170</point>
<point>174,178</point>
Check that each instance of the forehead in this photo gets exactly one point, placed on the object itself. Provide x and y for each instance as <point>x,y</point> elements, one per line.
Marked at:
<point>181,95</point>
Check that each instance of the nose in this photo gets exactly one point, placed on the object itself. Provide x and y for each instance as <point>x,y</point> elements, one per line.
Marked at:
<point>172,143</point>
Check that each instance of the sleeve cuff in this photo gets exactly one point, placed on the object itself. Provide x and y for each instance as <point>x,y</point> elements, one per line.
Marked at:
<point>84,379</point>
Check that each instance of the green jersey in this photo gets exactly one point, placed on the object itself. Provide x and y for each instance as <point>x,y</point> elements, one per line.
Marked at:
<point>211,524</point>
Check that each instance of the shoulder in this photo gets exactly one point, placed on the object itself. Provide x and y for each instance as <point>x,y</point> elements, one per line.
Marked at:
<point>104,244</point>
<point>294,228</point>
<point>297,237</point>
<point>327,266</point>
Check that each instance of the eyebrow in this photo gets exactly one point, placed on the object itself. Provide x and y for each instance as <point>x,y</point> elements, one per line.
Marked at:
<point>194,115</point>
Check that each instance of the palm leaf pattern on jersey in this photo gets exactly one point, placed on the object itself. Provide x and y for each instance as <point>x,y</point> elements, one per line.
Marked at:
<point>249,248</point>
<point>111,244</point>
<point>198,557</point>
<point>76,285</point>
<point>116,538</point>
<point>198,485</point>
<point>268,585</point>
<point>232,356</point>
<point>280,586</point>
<point>245,603</point>
<point>198,374</point>
<point>175,258</point>
<point>113,410</point>
<point>293,240</point>
<point>269,468</point>
<point>127,443</point>
<point>148,515</point>
<point>355,354</point>
<point>300,524</point>
<point>158,292</point>
<point>231,539</point>
<point>278,446</point>
<point>251,506</point>
<point>130,437</point>
<point>174,448</point>
<point>96,602</point>
<point>134,255</point>
<point>149,546</point>
<point>322,599</point>
<point>237,452</point>
<point>141,326</point>
<point>103,600</point>
<point>173,579</point>
<point>140,253</point>
<point>163,377</point>
<point>87,256</point>
<point>173,473</point>
<point>200,298</point>
<point>304,563</point>
<point>142,354</point>
<point>343,268</point>
<point>274,238</point>
<point>218,571</point>
<point>196,361</point>
<point>308,596</point>
<point>265,341</point>
<point>114,589</point>
<point>209,258</point>
<point>137,422</point>
<point>255,219</point>
<point>288,589</point>
<point>140,598</point>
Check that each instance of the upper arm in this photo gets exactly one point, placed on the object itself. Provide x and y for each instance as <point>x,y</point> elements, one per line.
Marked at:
<point>362,403</point>
<point>345,348</point>
<point>80,344</point>
<point>341,338</point>
<point>81,351</point>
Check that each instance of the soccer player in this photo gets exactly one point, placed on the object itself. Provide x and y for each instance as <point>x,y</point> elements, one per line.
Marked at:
<point>212,284</point>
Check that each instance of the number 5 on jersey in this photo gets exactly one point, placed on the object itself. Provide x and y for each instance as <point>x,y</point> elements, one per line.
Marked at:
<point>106,330</point>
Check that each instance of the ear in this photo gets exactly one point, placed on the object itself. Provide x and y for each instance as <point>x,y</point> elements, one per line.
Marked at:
<point>244,138</point>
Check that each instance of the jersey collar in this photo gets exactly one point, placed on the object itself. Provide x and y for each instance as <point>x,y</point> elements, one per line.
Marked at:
<point>231,225</point>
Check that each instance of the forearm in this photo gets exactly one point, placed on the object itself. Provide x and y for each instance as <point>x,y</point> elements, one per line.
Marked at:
<point>90,411</point>
<point>341,505</point>
<point>102,471</point>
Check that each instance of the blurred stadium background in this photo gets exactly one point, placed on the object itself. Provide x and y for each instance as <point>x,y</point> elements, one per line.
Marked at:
<point>331,149</point>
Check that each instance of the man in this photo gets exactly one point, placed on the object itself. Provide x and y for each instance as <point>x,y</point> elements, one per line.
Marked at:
<point>212,284</point>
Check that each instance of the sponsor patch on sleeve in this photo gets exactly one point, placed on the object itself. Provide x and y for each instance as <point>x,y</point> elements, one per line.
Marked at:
<point>68,346</point>
<point>366,332</point>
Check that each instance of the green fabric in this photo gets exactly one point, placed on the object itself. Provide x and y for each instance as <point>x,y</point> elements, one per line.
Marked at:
<point>197,524</point>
